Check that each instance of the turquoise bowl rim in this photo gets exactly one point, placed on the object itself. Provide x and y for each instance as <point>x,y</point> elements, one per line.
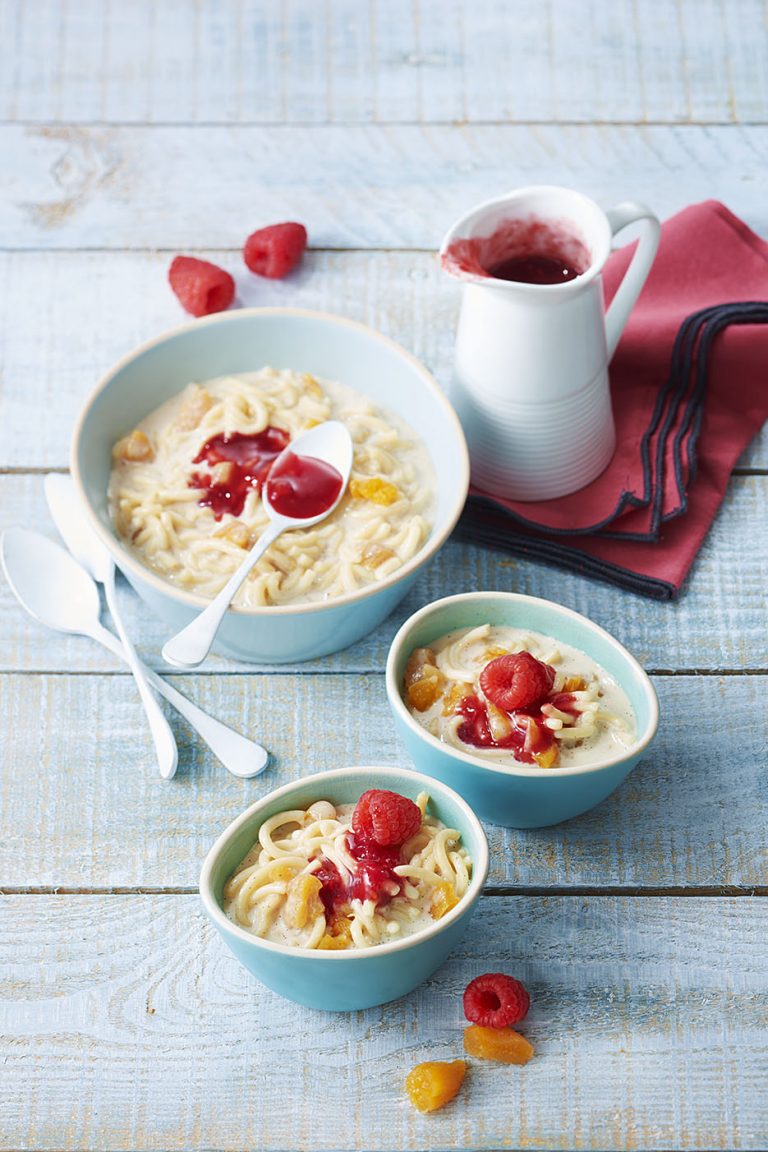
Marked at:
<point>128,563</point>
<point>377,773</point>
<point>525,771</point>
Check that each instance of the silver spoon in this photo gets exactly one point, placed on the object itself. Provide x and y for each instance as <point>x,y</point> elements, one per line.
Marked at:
<point>57,591</point>
<point>329,442</point>
<point>62,502</point>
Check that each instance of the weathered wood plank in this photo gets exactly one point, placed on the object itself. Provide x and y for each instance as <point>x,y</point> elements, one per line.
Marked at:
<point>649,1018</point>
<point>80,766</point>
<point>716,624</point>
<point>65,318</point>
<point>374,186</point>
<point>345,61</point>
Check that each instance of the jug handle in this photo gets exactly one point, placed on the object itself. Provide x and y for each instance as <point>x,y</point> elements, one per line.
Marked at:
<point>635,276</point>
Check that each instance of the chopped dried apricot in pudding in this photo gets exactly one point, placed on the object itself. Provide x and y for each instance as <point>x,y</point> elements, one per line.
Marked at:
<point>135,448</point>
<point>443,899</point>
<point>349,876</point>
<point>432,1084</point>
<point>501,1044</point>
<point>517,697</point>
<point>375,489</point>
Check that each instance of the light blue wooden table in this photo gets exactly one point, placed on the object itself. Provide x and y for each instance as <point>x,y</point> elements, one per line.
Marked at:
<point>131,130</point>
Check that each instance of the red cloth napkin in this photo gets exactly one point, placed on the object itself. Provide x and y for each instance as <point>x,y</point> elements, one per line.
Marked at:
<point>687,399</point>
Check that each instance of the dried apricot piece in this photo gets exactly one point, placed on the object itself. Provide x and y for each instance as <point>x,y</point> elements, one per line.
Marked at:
<point>196,404</point>
<point>134,448</point>
<point>375,489</point>
<point>375,554</point>
<point>574,684</point>
<point>302,900</point>
<point>432,1084</point>
<point>423,693</point>
<point>236,532</point>
<point>443,899</point>
<point>457,692</point>
<point>548,758</point>
<point>501,1044</point>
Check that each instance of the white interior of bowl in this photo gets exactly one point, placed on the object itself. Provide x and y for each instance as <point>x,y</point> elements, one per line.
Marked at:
<point>324,345</point>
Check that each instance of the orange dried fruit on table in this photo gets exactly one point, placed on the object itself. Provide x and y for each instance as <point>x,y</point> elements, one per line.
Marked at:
<point>443,899</point>
<point>375,489</point>
<point>434,1083</point>
<point>501,1044</point>
<point>303,901</point>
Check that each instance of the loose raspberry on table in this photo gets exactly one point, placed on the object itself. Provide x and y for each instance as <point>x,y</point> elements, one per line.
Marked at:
<point>495,1000</point>
<point>276,250</point>
<point>201,287</point>
<point>516,681</point>
<point>385,817</point>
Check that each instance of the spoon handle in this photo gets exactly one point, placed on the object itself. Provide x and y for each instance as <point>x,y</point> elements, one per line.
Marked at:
<point>164,741</point>
<point>191,645</point>
<point>242,757</point>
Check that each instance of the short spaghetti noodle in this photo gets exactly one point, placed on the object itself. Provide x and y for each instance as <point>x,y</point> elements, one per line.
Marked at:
<point>280,891</point>
<point>156,491</point>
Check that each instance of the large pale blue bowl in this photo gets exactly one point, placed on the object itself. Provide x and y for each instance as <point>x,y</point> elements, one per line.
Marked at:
<point>523,796</point>
<point>327,346</point>
<point>344,981</point>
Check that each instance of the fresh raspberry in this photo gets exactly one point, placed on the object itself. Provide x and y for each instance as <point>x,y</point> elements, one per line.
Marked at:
<point>201,287</point>
<point>517,681</point>
<point>386,817</point>
<point>495,1000</point>
<point>275,251</point>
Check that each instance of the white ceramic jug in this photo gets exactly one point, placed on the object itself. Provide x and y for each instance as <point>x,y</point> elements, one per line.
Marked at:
<point>531,369</point>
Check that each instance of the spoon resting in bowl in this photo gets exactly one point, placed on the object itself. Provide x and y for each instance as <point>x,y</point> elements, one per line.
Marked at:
<point>303,486</point>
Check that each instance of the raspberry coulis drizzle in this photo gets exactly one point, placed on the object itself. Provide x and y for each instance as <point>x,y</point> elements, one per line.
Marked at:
<point>476,729</point>
<point>375,878</point>
<point>303,486</point>
<point>250,456</point>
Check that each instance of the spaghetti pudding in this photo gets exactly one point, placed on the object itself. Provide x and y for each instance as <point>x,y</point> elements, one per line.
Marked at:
<point>185,492</point>
<point>517,697</point>
<point>350,876</point>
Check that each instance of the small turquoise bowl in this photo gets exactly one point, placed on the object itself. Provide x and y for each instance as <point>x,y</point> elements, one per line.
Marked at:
<point>240,341</point>
<point>523,796</point>
<point>345,981</point>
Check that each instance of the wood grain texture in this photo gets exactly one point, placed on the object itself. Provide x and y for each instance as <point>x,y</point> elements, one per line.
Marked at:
<point>718,623</point>
<point>352,61</point>
<point>91,308</point>
<point>371,186</point>
<point>649,1019</point>
<point>80,766</point>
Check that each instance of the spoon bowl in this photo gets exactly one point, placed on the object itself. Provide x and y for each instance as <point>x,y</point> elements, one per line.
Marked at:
<point>54,589</point>
<point>48,582</point>
<point>318,458</point>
